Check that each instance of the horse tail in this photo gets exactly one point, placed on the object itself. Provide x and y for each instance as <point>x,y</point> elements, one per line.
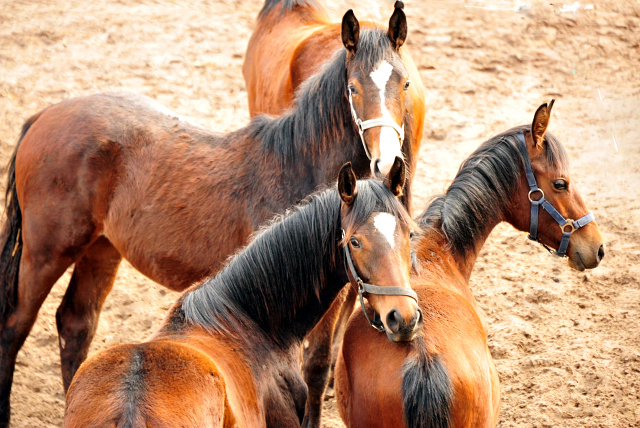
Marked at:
<point>427,392</point>
<point>11,236</point>
<point>287,6</point>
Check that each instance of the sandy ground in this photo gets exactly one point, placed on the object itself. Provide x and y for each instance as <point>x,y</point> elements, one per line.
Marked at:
<point>566,344</point>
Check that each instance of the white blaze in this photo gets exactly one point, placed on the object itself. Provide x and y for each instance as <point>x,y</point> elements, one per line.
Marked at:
<point>386,224</point>
<point>389,141</point>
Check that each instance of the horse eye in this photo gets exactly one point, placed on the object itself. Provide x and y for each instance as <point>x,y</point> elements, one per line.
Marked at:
<point>412,234</point>
<point>560,184</point>
<point>354,242</point>
<point>406,85</point>
<point>353,90</point>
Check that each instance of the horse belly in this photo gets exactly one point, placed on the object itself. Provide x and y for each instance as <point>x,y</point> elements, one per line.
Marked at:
<point>179,212</point>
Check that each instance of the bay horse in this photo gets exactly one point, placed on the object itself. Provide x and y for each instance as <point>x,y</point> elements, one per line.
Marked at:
<point>98,178</point>
<point>294,39</point>
<point>227,352</point>
<point>291,42</point>
<point>447,377</point>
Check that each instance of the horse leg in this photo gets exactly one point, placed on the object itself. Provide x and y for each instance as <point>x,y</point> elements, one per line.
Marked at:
<point>317,359</point>
<point>78,314</point>
<point>338,334</point>
<point>37,275</point>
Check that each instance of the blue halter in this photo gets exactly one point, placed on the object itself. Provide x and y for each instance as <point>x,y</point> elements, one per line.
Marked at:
<point>573,225</point>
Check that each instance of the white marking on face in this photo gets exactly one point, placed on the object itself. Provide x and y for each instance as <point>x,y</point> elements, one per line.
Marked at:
<point>386,224</point>
<point>389,141</point>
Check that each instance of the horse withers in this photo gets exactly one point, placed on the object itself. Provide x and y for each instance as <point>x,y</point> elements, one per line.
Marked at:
<point>447,377</point>
<point>227,352</point>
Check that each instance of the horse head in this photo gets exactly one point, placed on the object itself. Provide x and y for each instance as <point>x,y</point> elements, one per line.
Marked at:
<point>563,225</point>
<point>377,84</point>
<point>378,252</point>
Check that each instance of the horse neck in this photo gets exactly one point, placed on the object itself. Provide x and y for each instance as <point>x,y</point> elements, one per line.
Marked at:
<point>434,249</point>
<point>317,137</point>
<point>280,285</point>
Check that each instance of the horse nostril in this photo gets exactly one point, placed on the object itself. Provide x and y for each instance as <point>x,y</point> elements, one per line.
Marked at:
<point>418,318</point>
<point>375,169</point>
<point>601,252</point>
<point>394,321</point>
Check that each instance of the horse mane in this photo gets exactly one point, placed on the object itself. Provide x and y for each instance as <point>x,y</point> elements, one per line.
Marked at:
<point>276,281</point>
<point>287,6</point>
<point>321,116</point>
<point>482,188</point>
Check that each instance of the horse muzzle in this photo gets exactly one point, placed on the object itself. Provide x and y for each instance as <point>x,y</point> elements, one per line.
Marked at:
<point>400,330</point>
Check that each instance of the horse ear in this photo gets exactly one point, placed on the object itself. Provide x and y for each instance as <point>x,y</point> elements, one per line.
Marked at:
<point>347,186</point>
<point>397,176</point>
<point>540,123</point>
<point>350,31</point>
<point>398,26</point>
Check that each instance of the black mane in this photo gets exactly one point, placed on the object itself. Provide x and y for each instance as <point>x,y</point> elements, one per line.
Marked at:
<point>482,189</point>
<point>277,281</point>
<point>321,117</point>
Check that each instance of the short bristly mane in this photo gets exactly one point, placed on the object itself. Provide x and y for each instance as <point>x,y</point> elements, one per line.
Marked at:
<point>482,188</point>
<point>321,117</point>
<point>276,282</point>
<point>287,6</point>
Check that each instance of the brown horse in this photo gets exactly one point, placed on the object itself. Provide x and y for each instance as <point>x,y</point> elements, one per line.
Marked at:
<point>107,176</point>
<point>228,350</point>
<point>291,41</point>
<point>447,377</point>
<point>294,38</point>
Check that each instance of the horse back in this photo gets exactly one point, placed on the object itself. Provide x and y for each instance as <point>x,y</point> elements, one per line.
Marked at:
<point>145,385</point>
<point>267,65</point>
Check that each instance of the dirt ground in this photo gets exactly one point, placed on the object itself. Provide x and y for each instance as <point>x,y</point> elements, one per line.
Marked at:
<point>566,344</point>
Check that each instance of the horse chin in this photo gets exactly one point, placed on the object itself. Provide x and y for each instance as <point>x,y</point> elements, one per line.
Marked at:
<point>576,262</point>
<point>400,337</point>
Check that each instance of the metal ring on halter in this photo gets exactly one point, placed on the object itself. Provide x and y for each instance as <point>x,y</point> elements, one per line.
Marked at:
<point>570,224</point>
<point>533,191</point>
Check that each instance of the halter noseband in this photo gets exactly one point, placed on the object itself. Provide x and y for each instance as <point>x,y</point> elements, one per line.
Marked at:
<point>363,288</point>
<point>373,123</point>
<point>533,225</point>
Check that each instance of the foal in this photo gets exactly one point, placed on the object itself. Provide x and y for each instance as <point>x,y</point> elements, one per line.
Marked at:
<point>447,377</point>
<point>294,38</point>
<point>227,352</point>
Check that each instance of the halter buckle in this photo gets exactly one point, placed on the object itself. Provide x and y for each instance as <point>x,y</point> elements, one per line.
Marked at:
<point>570,224</point>
<point>533,191</point>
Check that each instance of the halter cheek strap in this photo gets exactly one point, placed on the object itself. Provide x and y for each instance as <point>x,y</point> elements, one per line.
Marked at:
<point>373,123</point>
<point>567,226</point>
<point>362,288</point>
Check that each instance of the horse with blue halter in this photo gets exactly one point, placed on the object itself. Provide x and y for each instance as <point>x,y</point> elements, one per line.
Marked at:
<point>446,377</point>
<point>110,176</point>
<point>227,352</point>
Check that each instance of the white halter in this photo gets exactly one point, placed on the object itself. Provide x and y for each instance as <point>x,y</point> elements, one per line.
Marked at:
<point>373,123</point>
